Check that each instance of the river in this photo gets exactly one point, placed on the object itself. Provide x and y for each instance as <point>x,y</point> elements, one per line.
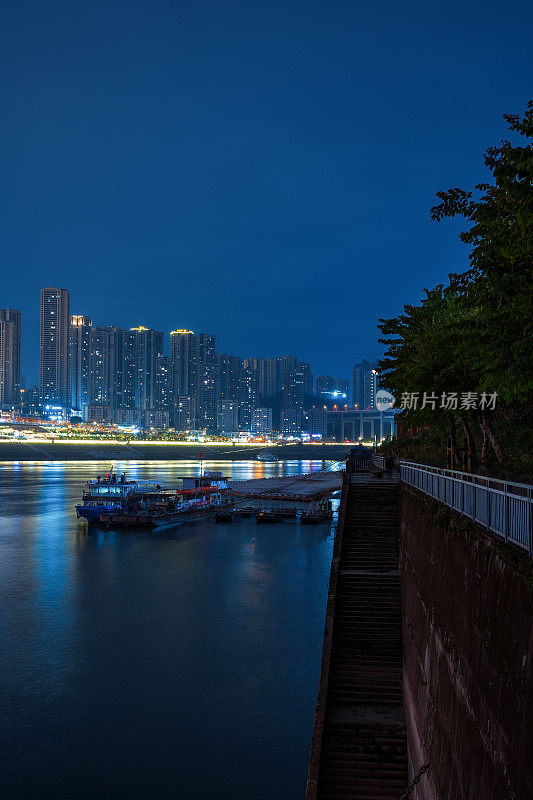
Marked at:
<point>142,665</point>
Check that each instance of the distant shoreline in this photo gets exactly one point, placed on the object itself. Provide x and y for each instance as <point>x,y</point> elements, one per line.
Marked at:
<point>134,451</point>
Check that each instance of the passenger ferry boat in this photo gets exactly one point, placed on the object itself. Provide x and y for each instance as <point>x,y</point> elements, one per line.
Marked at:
<point>115,501</point>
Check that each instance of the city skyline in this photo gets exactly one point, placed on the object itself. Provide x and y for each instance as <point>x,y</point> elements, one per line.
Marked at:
<point>31,350</point>
<point>143,377</point>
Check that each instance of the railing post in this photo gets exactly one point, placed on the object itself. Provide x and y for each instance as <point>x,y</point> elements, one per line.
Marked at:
<point>530,520</point>
<point>506,514</point>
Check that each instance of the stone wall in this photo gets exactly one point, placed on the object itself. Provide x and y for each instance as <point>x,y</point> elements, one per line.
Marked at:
<point>468,651</point>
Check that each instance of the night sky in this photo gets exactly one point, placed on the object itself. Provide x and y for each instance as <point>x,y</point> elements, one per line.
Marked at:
<point>262,171</point>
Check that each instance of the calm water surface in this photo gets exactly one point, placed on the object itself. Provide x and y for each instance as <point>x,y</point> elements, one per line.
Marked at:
<point>142,665</point>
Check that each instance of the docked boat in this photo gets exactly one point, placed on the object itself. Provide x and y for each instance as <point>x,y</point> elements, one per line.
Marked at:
<point>233,515</point>
<point>266,456</point>
<point>223,516</point>
<point>317,513</point>
<point>249,511</point>
<point>115,501</point>
<point>287,513</point>
<point>315,519</point>
<point>269,516</point>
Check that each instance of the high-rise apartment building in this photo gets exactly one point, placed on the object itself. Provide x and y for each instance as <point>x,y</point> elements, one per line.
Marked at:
<point>266,373</point>
<point>262,421</point>
<point>122,368</point>
<point>231,378</point>
<point>364,385</point>
<point>31,401</point>
<point>251,391</point>
<point>291,422</point>
<point>271,382</point>
<point>180,346</point>
<point>184,413</point>
<point>148,346</point>
<point>296,386</point>
<point>10,338</point>
<point>246,410</point>
<point>55,319</point>
<point>125,370</point>
<point>79,351</point>
<point>164,386</point>
<point>196,373</point>
<point>102,367</point>
<point>206,396</point>
<point>316,422</point>
<point>228,416</point>
<point>286,364</point>
<point>307,377</point>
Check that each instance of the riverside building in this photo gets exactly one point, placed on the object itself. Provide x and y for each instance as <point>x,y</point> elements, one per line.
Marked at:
<point>54,349</point>
<point>10,338</point>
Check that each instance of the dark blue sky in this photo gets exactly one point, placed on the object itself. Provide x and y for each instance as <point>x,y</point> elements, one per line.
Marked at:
<point>263,171</point>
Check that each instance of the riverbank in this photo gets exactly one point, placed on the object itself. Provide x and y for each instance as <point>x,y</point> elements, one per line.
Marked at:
<point>147,451</point>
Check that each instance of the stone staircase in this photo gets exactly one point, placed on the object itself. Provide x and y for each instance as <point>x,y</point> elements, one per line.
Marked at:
<point>363,751</point>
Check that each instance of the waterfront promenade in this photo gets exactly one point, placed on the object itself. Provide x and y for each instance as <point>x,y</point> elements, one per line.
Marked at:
<point>359,746</point>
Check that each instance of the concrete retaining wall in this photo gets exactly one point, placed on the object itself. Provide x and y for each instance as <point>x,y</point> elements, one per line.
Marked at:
<point>468,656</point>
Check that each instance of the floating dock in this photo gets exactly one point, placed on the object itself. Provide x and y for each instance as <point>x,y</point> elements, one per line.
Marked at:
<point>305,487</point>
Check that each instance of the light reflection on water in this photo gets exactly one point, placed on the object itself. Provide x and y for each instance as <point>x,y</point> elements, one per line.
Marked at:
<point>138,664</point>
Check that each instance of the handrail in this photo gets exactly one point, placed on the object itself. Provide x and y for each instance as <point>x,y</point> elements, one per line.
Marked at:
<point>468,476</point>
<point>502,507</point>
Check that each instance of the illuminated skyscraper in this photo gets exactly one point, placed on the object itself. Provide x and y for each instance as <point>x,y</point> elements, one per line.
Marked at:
<point>180,345</point>
<point>206,395</point>
<point>262,420</point>
<point>102,367</point>
<point>53,378</point>
<point>291,422</point>
<point>231,378</point>
<point>148,346</point>
<point>184,413</point>
<point>10,336</point>
<point>228,416</point>
<point>196,372</point>
<point>164,390</point>
<point>125,372</point>
<point>79,349</point>
<point>296,385</point>
<point>364,385</point>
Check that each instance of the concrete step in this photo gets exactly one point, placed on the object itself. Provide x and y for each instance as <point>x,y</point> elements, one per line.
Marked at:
<point>364,749</point>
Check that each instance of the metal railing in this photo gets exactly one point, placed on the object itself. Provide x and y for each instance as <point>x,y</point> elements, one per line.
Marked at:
<point>504,508</point>
<point>360,464</point>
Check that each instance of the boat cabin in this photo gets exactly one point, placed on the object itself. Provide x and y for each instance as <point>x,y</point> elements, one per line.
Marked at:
<point>209,478</point>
